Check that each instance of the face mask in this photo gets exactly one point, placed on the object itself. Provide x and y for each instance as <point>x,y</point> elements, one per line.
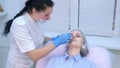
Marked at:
<point>41,21</point>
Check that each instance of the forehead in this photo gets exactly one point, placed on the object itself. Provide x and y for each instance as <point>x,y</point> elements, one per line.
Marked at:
<point>48,10</point>
<point>75,32</point>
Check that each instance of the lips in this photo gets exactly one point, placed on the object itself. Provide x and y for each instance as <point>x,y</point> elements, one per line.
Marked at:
<point>73,39</point>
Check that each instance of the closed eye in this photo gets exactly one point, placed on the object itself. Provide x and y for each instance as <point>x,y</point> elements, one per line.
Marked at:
<point>78,36</point>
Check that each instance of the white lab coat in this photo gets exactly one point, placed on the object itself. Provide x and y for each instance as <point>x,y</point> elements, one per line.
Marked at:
<point>26,35</point>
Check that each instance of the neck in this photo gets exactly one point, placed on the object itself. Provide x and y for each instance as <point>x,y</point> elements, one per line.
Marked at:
<point>74,51</point>
<point>32,16</point>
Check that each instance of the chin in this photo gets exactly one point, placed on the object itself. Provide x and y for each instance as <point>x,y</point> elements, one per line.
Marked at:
<point>72,44</point>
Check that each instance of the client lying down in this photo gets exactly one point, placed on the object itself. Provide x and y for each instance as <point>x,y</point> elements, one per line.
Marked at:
<point>74,57</point>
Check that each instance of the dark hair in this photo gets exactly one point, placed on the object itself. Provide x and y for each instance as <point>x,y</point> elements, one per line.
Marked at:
<point>39,5</point>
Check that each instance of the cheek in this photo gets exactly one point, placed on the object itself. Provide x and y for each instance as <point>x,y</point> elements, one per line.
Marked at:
<point>40,16</point>
<point>37,17</point>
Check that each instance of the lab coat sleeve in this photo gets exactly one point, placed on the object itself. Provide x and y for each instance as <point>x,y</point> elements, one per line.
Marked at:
<point>22,37</point>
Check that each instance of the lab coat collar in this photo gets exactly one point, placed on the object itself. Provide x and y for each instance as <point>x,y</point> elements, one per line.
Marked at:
<point>30,19</point>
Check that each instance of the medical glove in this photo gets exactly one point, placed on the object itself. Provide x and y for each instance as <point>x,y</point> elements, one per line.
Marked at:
<point>61,39</point>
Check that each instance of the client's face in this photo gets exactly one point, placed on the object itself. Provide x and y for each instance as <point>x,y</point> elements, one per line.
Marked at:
<point>76,40</point>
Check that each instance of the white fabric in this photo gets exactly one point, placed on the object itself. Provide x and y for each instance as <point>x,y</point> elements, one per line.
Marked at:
<point>26,35</point>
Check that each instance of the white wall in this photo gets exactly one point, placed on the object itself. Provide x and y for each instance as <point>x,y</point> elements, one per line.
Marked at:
<point>11,8</point>
<point>59,18</point>
<point>117,25</point>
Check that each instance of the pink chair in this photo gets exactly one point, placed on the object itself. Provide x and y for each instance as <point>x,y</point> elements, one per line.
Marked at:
<point>100,56</point>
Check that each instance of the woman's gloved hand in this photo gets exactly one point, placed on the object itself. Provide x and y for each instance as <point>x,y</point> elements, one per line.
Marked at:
<point>61,39</point>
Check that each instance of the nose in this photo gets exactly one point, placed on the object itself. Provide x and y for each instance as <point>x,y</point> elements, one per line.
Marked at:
<point>73,36</point>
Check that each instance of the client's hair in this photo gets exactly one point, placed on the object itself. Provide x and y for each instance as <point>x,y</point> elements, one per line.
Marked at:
<point>84,50</point>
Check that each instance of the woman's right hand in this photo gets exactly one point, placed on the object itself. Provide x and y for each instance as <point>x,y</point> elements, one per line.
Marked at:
<point>61,39</point>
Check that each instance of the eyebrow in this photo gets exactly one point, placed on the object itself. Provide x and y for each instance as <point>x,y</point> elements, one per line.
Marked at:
<point>78,34</point>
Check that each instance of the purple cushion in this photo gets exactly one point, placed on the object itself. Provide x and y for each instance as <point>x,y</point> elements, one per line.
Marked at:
<point>100,56</point>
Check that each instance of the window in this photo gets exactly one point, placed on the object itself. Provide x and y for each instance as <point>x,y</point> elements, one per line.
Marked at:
<point>95,16</point>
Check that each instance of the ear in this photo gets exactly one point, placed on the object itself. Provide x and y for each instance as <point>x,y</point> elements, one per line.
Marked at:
<point>34,10</point>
